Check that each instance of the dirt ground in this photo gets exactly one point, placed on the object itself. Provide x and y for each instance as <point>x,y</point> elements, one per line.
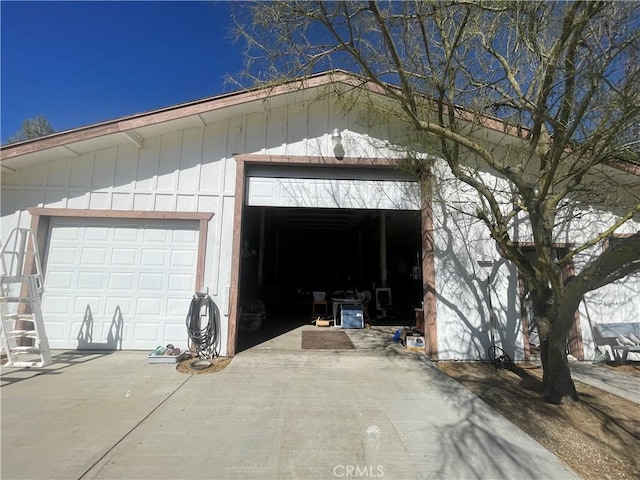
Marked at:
<point>599,437</point>
<point>187,366</point>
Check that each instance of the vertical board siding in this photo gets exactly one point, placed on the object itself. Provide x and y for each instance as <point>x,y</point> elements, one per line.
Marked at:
<point>461,284</point>
<point>81,170</point>
<point>169,161</point>
<point>55,198</point>
<point>276,131</point>
<point>194,170</point>
<point>59,172</point>
<point>183,171</point>
<point>126,169</point>
<point>317,124</point>
<point>213,275</point>
<point>190,159</point>
<point>164,202</point>
<point>36,177</point>
<point>121,201</point>
<point>297,133</point>
<point>99,200</point>
<point>256,132</point>
<point>235,137</point>
<point>148,164</point>
<point>214,150</point>
<point>104,168</point>
<point>77,200</point>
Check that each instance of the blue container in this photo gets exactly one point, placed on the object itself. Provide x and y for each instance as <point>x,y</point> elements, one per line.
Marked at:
<point>351,316</point>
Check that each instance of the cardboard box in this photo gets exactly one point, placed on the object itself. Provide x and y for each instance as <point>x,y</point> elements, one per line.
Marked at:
<point>414,342</point>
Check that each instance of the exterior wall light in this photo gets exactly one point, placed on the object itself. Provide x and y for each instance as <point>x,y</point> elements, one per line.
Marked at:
<point>336,138</point>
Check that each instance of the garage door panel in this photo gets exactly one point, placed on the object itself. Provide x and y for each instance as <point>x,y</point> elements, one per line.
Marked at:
<point>333,193</point>
<point>70,233</point>
<point>63,256</point>
<point>149,306</point>
<point>62,279</point>
<point>109,332</point>
<point>181,282</point>
<point>188,237</point>
<point>119,305</point>
<point>153,257</point>
<point>57,304</point>
<point>93,256</point>
<point>146,332</point>
<point>154,236</point>
<point>57,331</point>
<point>96,234</point>
<point>91,280</point>
<point>125,234</point>
<point>122,281</point>
<point>114,283</point>
<point>179,306</point>
<point>175,333</point>
<point>87,305</point>
<point>124,256</point>
<point>152,282</point>
<point>183,258</point>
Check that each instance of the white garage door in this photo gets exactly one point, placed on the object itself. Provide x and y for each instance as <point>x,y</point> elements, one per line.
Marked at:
<point>119,284</point>
<point>333,193</point>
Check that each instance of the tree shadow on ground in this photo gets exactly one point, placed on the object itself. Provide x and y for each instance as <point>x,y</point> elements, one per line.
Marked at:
<point>594,436</point>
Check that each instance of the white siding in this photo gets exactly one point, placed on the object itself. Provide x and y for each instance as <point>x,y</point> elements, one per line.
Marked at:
<point>194,170</point>
<point>184,170</point>
<point>462,310</point>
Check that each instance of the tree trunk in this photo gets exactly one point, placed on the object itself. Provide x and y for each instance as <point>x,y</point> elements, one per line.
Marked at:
<point>558,384</point>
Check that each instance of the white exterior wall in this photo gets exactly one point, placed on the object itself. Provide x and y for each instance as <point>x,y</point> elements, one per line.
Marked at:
<point>185,171</point>
<point>462,302</point>
<point>462,312</point>
<point>193,170</point>
<point>190,170</point>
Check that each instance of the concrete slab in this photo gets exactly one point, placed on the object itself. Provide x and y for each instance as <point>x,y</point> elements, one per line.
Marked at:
<point>58,420</point>
<point>288,413</point>
<point>618,383</point>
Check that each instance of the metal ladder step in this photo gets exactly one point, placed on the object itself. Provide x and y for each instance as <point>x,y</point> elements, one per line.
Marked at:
<point>15,299</point>
<point>22,334</point>
<point>19,316</point>
<point>8,279</point>
<point>24,350</point>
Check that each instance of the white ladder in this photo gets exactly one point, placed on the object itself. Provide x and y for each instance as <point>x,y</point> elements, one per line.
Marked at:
<point>21,292</point>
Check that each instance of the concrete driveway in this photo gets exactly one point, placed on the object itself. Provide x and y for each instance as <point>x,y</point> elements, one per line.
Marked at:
<point>275,412</point>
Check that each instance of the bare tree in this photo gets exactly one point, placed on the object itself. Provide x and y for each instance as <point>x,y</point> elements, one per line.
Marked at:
<point>32,128</point>
<point>561,79</point>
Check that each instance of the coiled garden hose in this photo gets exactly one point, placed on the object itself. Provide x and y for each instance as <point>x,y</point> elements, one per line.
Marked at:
<point>205,338</point>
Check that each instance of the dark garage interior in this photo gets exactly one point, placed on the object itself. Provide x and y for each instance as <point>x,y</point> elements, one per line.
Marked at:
<point>289,253</point>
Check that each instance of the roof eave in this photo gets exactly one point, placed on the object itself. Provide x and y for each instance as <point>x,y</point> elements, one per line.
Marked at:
<point>128,123</point>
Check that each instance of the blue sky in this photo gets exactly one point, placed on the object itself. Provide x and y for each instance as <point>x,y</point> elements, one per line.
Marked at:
<point>79,63</point>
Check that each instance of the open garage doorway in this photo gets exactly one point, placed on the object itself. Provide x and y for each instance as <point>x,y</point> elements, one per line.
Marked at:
<point>288,253</point>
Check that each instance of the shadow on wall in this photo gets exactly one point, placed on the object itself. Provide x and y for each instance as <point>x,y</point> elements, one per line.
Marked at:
<point>114,337</point>
<point>463,296</point>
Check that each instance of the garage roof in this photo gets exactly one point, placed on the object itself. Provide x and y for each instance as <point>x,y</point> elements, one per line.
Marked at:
<point>136,128</point>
